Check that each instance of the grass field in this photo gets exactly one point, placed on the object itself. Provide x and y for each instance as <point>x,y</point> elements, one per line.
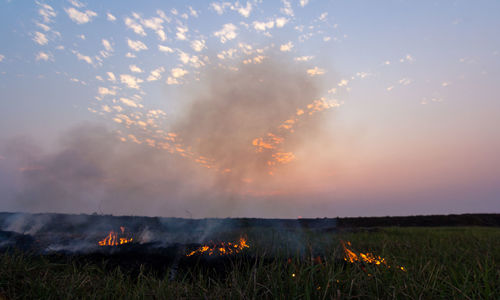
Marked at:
<point>440,263</point>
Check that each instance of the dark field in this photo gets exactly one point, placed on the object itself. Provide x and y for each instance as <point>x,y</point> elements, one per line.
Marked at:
<point>285,259</point>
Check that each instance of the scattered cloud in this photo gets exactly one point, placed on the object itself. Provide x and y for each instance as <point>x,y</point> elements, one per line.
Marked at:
<point>136,45</point>
<point>110,17</point>
<point>107,45</point>
<point>286,47</point>
<point>303,2</point>
<point>425,100</point>
<point>193,12</point>
<point>44,27</point>
<point>176,73</point>
<point>315,71</point>
<point>255,60</point>
<point>287,8</point>
<point>40,38</point>
<point>136,27</point>
<point>2,57</point>
<point>228,32</point>
<point>262,26</point>
<point>76,3</point>
<point>219,7</point>
<point>156,74</point>
<point>280,22</point>
<point>198,45</point>
<point>131,81</point>
<point>78,81</point>
<point>243,10</point>
<point>343,82</point>
<point>45,56</point>
<point>390,88</point>
<point>135,69</point>
<point>103,91</point>
<point>407,58</point>
<point>303,58</point>
<point>192,60</point>
<point>230,53</point>
<point>445,84</point>
<point>85,58</point>
<point>155,24</point>
<point>165,49</point>
<point>46,11</point>
<point>323,16</point>
<point>181,33</point>
<point>405,81</point>
<point>80,17</point>
<point>362,75</point>
<point>111,76</point>
<point>128,102</point>
<point>171,80</point>
<point>106,108</point>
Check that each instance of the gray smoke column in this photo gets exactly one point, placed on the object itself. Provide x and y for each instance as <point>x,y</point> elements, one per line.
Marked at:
<point>235,108</point>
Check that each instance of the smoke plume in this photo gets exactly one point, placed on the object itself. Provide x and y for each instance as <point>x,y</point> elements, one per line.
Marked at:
<point>243,125</point>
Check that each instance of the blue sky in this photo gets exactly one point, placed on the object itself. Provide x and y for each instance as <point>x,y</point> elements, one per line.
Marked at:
<point>406,91</point>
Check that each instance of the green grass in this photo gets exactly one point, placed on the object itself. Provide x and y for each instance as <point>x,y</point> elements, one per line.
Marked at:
<point>441,263</point>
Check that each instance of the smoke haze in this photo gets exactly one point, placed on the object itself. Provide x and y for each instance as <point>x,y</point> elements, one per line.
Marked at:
<point>234,124</point>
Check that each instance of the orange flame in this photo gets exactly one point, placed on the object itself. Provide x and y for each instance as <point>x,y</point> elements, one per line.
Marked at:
<point>221,248</point>
<point>112,239</point>
<point>370,258</point>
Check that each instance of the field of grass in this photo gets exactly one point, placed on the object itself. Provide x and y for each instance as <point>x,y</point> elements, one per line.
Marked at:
<point>440,263</point>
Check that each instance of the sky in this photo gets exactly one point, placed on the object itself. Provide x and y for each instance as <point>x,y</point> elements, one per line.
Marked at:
<point>257,108</point>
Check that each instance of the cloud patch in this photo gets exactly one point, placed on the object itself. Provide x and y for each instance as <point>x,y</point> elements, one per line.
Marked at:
<point>45,56</point>
<point>80,17</point>
<point>227,33</point>
<point>40,38</point>
<point>315,71</point>
<point>156,74</point>
<point>136,45</point>
<point>131,81</point>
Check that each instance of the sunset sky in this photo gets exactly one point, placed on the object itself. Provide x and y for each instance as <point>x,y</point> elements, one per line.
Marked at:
<point>250,108</point>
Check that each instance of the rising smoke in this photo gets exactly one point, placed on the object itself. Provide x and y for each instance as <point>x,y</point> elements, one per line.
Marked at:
<point>236,108</point>
<point>234,119</point>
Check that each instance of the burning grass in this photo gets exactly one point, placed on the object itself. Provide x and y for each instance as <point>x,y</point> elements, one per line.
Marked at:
<point>116,239</point>
<point>222,248</point>
<point>364,258</point>
<point>443,263</point>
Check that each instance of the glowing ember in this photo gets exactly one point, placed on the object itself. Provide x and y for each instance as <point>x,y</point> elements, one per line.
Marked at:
<point>370,258</point>
<point>221,248</point>
<point>113,239</point>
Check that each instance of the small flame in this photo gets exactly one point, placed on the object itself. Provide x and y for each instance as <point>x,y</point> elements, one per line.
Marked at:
<point>221,248</point>
<point>112,239</point>
<point>370,258</point>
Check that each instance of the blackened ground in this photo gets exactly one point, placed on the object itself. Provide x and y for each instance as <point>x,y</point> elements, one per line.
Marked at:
<point>134,259</point>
